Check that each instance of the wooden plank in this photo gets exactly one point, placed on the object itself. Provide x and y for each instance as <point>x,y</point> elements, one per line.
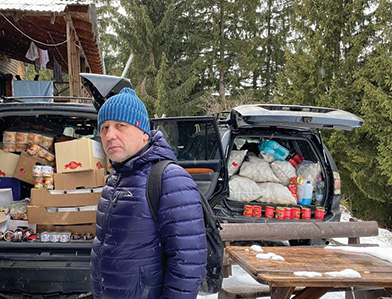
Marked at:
<point>374,271</point>
<point>297,230</point>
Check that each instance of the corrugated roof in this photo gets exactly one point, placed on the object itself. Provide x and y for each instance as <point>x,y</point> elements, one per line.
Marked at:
<point>38,5</point>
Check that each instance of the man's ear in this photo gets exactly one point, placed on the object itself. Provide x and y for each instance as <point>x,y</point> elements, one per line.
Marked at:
<point>145,137</point>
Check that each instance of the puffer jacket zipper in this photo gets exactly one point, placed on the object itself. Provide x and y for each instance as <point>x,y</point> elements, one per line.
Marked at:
<point>108,213</point>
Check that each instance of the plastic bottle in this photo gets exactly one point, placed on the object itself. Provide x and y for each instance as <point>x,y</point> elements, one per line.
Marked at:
<point>319,192</point>
<point>307,194</point>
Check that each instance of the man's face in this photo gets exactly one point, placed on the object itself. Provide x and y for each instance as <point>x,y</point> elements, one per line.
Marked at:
<point>121,140</point>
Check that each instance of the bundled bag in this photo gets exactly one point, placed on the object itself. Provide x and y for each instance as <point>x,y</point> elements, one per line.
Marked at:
<point>275,194</point>
<point>243,189</point>
<point>235,161</point>
<point>284,171</point>
<point>310,171</point>
<point>258,170</point>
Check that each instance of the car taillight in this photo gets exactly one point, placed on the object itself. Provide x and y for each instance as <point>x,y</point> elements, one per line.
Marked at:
<point>336,178</point>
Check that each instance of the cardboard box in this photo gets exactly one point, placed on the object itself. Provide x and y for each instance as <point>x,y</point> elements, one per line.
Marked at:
<point>24,168</point>
<point>80,229</point>
<point>79,155</point>
<point>42,199</point>
<point>77,180</point>
<point>8,162</point>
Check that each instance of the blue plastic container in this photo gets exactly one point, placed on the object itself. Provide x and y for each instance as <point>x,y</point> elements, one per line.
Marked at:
<point>12,183</point>
<point>307,194</point>
<point>273,148</point>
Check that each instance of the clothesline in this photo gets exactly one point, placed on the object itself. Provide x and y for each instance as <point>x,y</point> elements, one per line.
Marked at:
<point>29,37</point>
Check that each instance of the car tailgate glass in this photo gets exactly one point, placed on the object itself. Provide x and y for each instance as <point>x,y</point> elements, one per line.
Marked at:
<point>291,116</point>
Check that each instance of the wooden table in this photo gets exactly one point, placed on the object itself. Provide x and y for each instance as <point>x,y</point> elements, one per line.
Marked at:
<point>279,275</point>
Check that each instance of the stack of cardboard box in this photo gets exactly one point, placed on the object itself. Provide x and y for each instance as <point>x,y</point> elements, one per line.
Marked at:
<point>71,206</point>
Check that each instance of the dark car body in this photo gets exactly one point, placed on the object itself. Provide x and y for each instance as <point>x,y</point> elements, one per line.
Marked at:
<point>207,141</point>
<point>202,145</point>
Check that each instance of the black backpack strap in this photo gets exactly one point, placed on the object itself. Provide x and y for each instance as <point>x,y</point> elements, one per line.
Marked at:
<point>153,186</point>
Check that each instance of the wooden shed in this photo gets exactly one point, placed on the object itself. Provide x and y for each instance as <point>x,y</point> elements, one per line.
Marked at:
<point>65,32</point>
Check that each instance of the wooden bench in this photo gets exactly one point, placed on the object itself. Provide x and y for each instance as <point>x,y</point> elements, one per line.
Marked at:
<point>232,232</point>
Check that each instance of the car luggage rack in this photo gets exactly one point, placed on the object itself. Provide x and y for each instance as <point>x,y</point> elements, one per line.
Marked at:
<point>45,99</point>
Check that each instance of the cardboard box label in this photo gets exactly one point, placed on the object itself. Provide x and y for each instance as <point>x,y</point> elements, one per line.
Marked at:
<point>98,151</point>
<point>79,155</point>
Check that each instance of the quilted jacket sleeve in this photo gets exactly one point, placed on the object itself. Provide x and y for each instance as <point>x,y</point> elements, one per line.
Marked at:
<point>181,222</point>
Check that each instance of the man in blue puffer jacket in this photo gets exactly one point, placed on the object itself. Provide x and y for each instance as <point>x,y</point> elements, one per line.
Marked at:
<point>131,256</point>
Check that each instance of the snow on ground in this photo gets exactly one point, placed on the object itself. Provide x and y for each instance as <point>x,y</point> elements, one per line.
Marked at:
<point>384,239</point>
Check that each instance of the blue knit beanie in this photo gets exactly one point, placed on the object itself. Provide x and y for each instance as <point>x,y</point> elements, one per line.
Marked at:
<point>126,107</point>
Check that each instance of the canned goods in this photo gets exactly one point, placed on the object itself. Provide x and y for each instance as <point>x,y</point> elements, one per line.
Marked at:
<point>287,213</point>
<point>306,213</point>
<point>256,211</point>
<point>47,142</point>
<point>64,237</point>
<point>293,162</point>
<point>280,213</point>
<point>292,189</point>
<point>248,210</point>
<point>47,171</point>
<point>298,157</point>
<point>88,236</point>
<point>21,137</point>
<point>39,183</point>
<point>9,147</point>
<point>20,146</point>
<point>54,237</point>
<point>34,138</point>
<point>45,237</point>
<point>296,180</point>
<point>9,136</point>
<point>38,170</point>
<point>76,236</point>
<point>269,212</point>
<point>320,212</point>
<point>18,235</point>
<point>8,235</point>
<point>295,213</point>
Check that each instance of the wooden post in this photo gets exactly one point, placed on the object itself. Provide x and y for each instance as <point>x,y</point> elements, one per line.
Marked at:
<point>73,59</point>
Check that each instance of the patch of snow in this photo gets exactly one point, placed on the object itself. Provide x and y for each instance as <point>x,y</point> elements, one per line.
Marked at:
<point>277,258</point>
<point>256,248</point>
<point>344,273</point>
<point>307,274</point>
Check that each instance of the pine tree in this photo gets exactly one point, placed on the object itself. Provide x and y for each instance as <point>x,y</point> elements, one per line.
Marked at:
<point>341,61</point>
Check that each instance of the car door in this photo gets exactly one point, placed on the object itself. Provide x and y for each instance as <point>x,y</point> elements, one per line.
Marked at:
<point>197,146</point>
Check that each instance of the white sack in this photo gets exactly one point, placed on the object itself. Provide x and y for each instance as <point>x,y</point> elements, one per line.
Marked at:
<point>243,189</point>
<point>258,170</point>
<point>309,171</point>
<point>284,171</point>
<point>267,157</point>
<point>235,161</point>
<point>275,194</point>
